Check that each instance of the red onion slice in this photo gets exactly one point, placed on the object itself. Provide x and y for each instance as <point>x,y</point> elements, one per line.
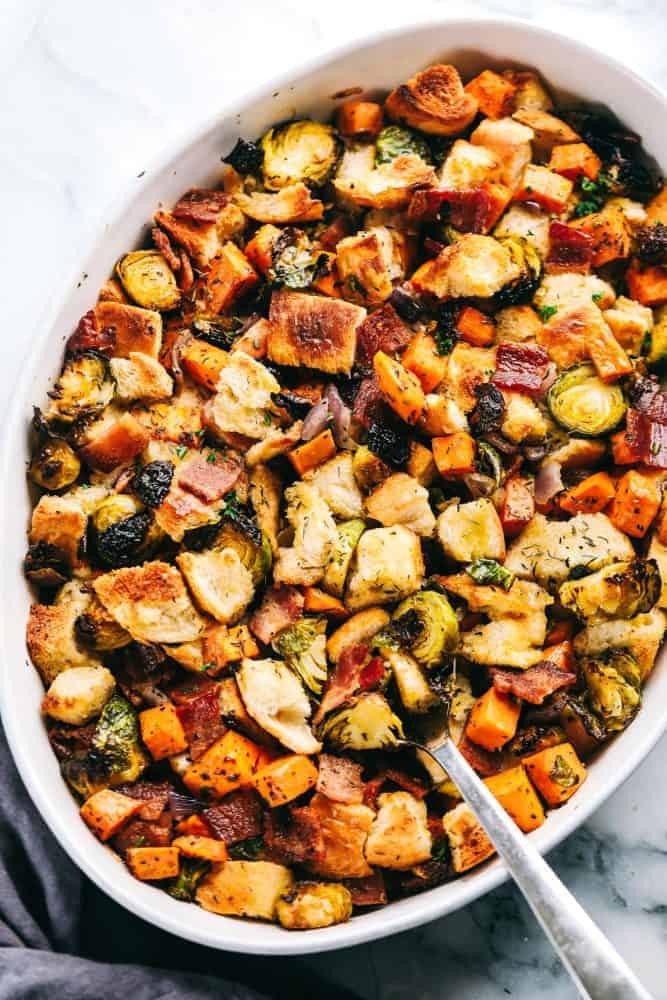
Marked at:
<point>341,417</point>
<point>548,482</point>
<point>315,421</point>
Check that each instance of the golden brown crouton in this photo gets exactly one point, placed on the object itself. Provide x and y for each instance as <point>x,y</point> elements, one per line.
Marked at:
<point>140,377</point>
<point>244,888</point>
<point>59,521</point>
<point>220,583</point>
<point>51,638</point>
<point>313,331</point>
<point>344,829</point>
<point>468,841</point>
<point>433,101</point>
<point>293,204</point>
<point>115,443</point>
<point>133,328</point>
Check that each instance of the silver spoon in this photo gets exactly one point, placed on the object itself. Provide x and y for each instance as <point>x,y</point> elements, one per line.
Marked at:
<point>596,967</point>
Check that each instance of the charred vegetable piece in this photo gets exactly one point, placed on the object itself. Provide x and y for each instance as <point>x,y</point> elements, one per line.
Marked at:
<point>122,531</point>
<point>148,280</point>
<point>55,465</point>
<point>395,140</point>
<point>621,590</point>
<point>246,157</point>
<point>116,741</point>
<point>190,871</point>
<point>389,443</point>
<point>255,554</point>
<point>335,574</point>
<point>489,408</point>
<point>522,288</point>
<point>46,566</point>
<point>304,151</point>
<point>219,332</point>
<point>628,177</point>
<point>439,631</point>
<point>294,261</point>
<point>84,388</point>
<point>152,482</point>
<point>98,630</point>
<point>581,402</point>
<point>489,462</point>
<point>314,904</point>
<point>613,683</point>
<point>303,648</point>
<point>489,573</point>
<point>364,723</point>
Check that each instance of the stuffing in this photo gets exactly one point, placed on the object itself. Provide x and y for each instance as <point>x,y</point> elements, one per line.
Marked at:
<point>315,904</point>
<point>469,531</point>
<point>658,551</point>
<point>510,142</point>
<point>473,267</point>
<point>442,415</point>
<point>548,131</point>
<point>548,551</point>
<point>468,166</point>
<point>523,598</point>
<point>401,500</point>
<point>335,482</point>
<point>505,642</point>
<point>313,331</point>
<point>579,453</point>
<point>569,291</point>
<point>111,442</point>
<point>276,699</point>
<point>387,567</point>
<point>140,376</point>
<point>177,420</point>
<point>265,495</point>
<point>530,91</point>
<point>640,635</point>
<point>522,419</point>
<point>357,629</point>
<point>433,101</point>
<point>151,602</point>
<point>293,203</point>
<point>244,888</point>
<point>51,638</point>
<point>630,322</point>
<point>389,186</point>
<point>60,521</point>
<point>399,837</point>
<point>368,265</point>
<point>78,694</point>
<point>527,223</point>
<point>345,828</point>
<point>130,328</point>
<point>219,582</point>
<point>243,397</point>
<point>468,366</point>
<point>314,537</point>
<point>517,323</point>
<point>278,441</point>
<point>468,840</point>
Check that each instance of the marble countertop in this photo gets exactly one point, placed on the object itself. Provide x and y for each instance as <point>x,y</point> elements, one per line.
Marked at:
<point>91,92</point>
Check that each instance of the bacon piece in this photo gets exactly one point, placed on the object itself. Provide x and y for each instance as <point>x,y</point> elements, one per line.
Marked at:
<point>570,249</point>
<point>373,788</point>
<point>163,244</point>
<point>486,762</point>
<point>521,367</point>
<point>470,210</point>
<point>340,779</point>
<point>89,337</point>
<point>344,681</point>
<point>142,833</point>
<point>279,608</point>
<point>154,795</point>
<point>648,437</point>
<point>239,816</point>
<point>649,398</point>
<point>372,673</point>
<point>208,480</point>
<point>408,782</point>
<point>186,278</point>
<point>294,837</point>
<point>382,330</point>
<point>199,714</point>
<point>369,405</point>
<point>200,205</point>
<point>534,684</point>
<point>369,891</point>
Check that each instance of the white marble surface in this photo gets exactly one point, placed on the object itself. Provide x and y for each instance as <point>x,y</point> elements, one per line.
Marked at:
<point>90,92</point>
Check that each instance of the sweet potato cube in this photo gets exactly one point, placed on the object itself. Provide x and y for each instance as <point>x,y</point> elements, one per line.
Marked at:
<point>421,465</point>
<point>203,362</point>
<point>545,188</point>
<point>117,443</point>
<point>259,249</point>
<point>285,779</point>
<point>518,507</point>
<point>590,496</point>
<point>493,92</point>
<point>656,210</point>
<point>493,720</point>
<point>150,864</point>
<point>400,387</point>
<point>193,826</point>
<point>361,120</point>
<point>205,848</point>
<point>574,160</point>
<point>624,450</point>
<point>319,601</point>
<point>107,811</point>
<point>162,732</point>
<point>610,234</point>
<point>556,772</point>
<point>454,454</point>
<point>313,453</point>
<point>648,285</point>
<point>635,505</point>
<point>229,277</point>
<point>517,796</point>
<point>475,328</point>
<point>226,765</point>
<point>423,360</point>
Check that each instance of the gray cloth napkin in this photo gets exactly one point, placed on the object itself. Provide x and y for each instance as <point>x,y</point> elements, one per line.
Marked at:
<point>62,938</point>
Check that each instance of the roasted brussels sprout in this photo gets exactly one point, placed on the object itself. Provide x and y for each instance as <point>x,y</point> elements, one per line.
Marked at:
<point>621,590</point>
<point>413,688</point>
<point>97,629</point>
<point>628,177</point>
<point>364,723</point>
<point>190,871</point>
<point>521,289</point>
<point>314,904</point>
<point>581,402</point>
<point>116,741</point>
<point>303,648</point>
<point>148,280</point>
<point>583,729</point>
<point>123,532</point>
<point>335,573</point>
<point>613,683</point>
<point>395,140</point>
<point>84,388</point>
<point>55,465</point>
<point>255,555</point>
<point>46,566</point>
<point>295,263</point>
<point>246,157</point>
<point>152,482</point>
<point>304,151</point>
<point>488,572</point>
<point>439,632</point>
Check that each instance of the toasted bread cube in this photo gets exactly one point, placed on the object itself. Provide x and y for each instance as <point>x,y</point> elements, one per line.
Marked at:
<point>259,250</point>
<point>293,203</point>
<point>468,841</point>
<point>315,904</point>
<point>345,828</point>
<point>225,766</point>
<point>78,694</point>
<point>223,645</point>
<point>220,583</point>
<point>368,264</point>
<point>548,130</point>
<point>495,94</point>
<point>234,712</point>
<point>399,837</point>
<point>518,323</point>
<point>421,465</point>
<point>400,499</point>
<point>510,142</point>
<point>610,233</point>
<point>528,223</point>
<point>115,443</point>
<point>107,811</point>
<point>473,267</point>
<point>205,848</point>
<point>545,188</point>
<point>313,331</point>
<point>133,328</point>
<point>151,864</point>
<point>522,419</point>
<point>387,567</point>
<point>358,629</point>
<point>245,888</point>
<point>59,521</point>
<point>629,322</point>
<point>530,91</point>
<point>574,160</point>
<point>162,732</point>
<point>469,166</point>
<point>433,101</point>
<point>442,416</point>
<point>229,277</point>
<point>469,531</point>
<point>51,639</point>
<point>140,377</point>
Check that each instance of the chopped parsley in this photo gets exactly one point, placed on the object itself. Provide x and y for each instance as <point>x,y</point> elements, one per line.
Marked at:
<point>488,572</point>
<point>546,312</point>
<point>597,297</point>
<point>246,850</point>
<point>596,194</point>
<point>182,451</point>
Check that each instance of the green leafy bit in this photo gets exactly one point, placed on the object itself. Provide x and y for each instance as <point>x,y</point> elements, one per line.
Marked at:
<point>184,886</point>
<point>562,774</point>
<point>546,312</point>
<point>247,850</point>
<point>488,572</point>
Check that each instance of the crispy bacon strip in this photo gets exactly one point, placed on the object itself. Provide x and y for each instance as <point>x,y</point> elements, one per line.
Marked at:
<point>163,244</point>
<point>295,838</point>
<point>470,210</point>
<point>208,480</point>
<point>200,717</point>
<point>200,205</point>
<point>340,779</point>
<point>534,684</point>
<point>369,891</point>
<point>570,249</point>
<point>238,816</point>
<point>382,330</point>
<point>648,437</point>
<point>368,403</point>
<point>486,762</point>
<point>153,794</point>
<point>89,337</point>
<point>279,608</point>
<point>521,367</point>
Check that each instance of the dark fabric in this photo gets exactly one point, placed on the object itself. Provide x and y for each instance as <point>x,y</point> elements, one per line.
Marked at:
<point>61,938</point>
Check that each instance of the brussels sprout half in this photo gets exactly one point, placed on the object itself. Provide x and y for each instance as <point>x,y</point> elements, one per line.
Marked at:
<point>255,555</point>
<point>364,723</point>
<point>55,465</point>
<point>295,263</point>
<point>148,280</point>
<point>123,532</point>
<point>84,388</point>
<point>304,151</point>
<point>522,288</point>
<point>303,648</point>
<point>439,632</point>
<point>581,402</point>
<point>621,590</point>
<point>613,684</point>
<point>335,574</point>
<point>395,140</point>
<point>115,756</point>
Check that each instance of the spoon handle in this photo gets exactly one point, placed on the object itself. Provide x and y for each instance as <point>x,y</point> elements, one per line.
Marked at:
<point>593,963</point>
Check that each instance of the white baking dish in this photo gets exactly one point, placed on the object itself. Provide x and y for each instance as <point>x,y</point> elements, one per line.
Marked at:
<point>376,66</point>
